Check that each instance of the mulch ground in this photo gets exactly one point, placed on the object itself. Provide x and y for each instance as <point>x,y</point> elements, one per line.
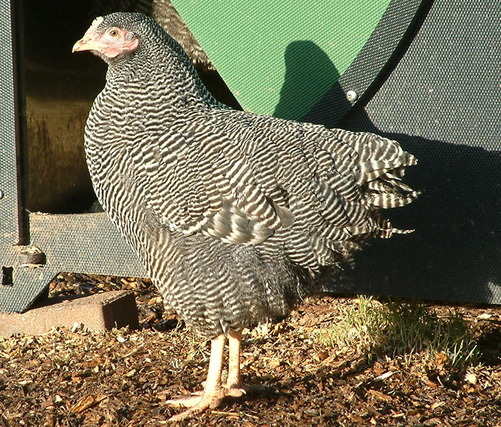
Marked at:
<point>122,377</point>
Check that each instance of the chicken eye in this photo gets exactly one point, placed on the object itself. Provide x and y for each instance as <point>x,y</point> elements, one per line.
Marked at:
<point>113,32</point>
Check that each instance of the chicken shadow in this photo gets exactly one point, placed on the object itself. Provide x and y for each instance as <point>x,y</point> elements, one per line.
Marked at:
<point>455,253</point>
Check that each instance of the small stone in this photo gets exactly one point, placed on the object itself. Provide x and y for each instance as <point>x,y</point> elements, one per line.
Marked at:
<point>470,378</point>
<point>76,326</point>
<point>274,363</point>
<point>484,316</point>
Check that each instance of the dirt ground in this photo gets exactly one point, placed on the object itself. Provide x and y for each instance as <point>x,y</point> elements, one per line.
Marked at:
<point>121,377</point>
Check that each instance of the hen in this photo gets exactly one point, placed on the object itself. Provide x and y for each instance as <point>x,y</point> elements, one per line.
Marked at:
<point>236,216</point>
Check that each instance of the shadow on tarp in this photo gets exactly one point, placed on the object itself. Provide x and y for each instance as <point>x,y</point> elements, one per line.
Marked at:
<point>305,81</point>
<point>455,253</point>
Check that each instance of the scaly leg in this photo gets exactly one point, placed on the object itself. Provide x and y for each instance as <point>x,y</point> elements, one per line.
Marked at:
<point>233,384</point>
<point>213,393</point>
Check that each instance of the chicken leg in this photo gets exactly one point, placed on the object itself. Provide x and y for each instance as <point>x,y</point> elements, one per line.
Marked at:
<point>214,393</point>
<point>233,385</point>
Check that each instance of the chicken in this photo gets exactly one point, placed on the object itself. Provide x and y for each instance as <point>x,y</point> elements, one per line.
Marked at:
<point>236,216</point>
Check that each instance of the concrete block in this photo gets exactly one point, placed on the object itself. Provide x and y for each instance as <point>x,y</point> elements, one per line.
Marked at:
<point>96,312</point>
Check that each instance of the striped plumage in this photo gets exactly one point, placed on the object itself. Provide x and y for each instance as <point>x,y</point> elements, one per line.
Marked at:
<point>231,212</point>
<point>236,216</point>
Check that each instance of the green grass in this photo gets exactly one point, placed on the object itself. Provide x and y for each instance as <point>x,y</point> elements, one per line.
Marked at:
<point>391,329</point>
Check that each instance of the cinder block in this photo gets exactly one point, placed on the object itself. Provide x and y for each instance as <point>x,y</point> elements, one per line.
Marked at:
<point>96,312</point>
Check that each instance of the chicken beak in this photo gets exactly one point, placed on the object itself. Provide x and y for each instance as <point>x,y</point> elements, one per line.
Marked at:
<point>88,41</point>
<point>84,44</point>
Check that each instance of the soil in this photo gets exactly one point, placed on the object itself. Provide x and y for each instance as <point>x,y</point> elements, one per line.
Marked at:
<point>123,377</point>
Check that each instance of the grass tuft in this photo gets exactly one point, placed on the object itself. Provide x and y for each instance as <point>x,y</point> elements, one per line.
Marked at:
<point>391,329</point>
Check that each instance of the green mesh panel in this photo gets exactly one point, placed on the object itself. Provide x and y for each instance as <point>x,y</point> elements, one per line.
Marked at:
<point>269,48</point>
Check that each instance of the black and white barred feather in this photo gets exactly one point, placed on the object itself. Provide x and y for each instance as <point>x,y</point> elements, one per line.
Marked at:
<point>235,215</point>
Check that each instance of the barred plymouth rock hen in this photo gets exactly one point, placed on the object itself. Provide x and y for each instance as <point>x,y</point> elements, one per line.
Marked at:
<point>236,216</point>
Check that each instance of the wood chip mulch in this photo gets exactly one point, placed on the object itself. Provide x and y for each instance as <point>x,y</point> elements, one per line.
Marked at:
<point>123,377</point>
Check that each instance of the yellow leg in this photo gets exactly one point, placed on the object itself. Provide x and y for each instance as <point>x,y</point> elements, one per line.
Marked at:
<point>233,383</point>
<point>213,393</point>
<point>213,382</point>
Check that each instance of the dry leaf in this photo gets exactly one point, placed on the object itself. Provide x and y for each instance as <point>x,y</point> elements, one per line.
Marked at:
<point>380,396</point>
<point>437,405</point>
<point>86,402</point>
